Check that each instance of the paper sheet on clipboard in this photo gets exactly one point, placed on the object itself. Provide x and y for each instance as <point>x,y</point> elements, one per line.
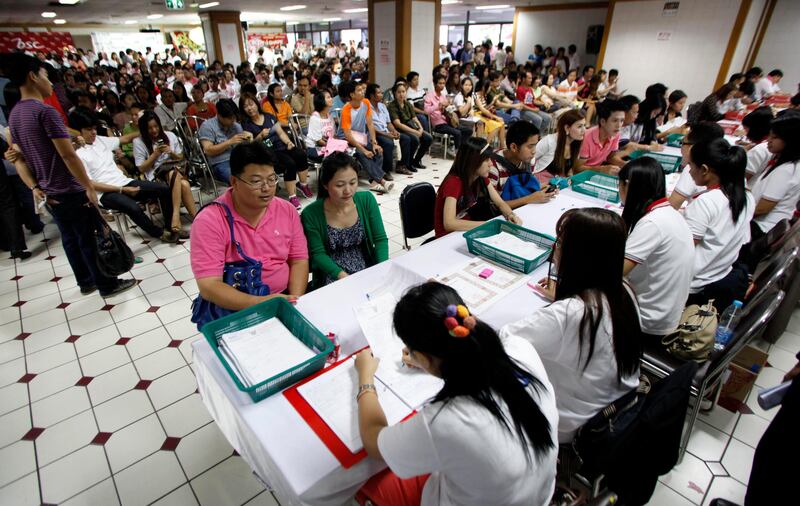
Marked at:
<point>480,294</point>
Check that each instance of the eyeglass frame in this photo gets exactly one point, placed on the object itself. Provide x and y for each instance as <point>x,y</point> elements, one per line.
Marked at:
<point>271,181</point>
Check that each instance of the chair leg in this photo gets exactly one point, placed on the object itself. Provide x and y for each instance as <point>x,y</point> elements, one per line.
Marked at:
<point>692,419</point>
<point>118,218</point>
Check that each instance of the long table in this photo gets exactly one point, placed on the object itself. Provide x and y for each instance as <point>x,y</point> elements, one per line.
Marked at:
<point>272,437</point>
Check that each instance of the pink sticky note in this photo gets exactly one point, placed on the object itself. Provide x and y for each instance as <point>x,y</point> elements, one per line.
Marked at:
<point>486,273</point>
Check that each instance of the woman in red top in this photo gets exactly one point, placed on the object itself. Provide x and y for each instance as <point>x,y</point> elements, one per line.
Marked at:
<point>199,108</point>
<point>466,197</point>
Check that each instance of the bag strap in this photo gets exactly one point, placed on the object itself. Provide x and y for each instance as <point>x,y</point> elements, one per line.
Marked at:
<point>229,217</point>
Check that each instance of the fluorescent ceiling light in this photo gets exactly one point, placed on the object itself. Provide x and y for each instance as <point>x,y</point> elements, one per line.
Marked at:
<point>293,7</point>
<point>489,7</point>
<point>68,2</point>
<point>450,2</point>
<point>48,14</point>
<point>194,5</point>
<point>332,19</point>
<point>252,17</point>
<point>209,4</point>
<point>59,21</point>
<point>130,21</point>
<point>155,16</point>
<point>291,23</point>
<point>353,11</point>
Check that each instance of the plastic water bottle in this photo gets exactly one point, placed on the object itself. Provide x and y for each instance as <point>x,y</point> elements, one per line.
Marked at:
<point>726,325</point>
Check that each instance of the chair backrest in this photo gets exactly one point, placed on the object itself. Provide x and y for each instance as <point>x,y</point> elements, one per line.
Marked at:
<point>417,205</point>
<point>296,126</point>
<point>774,272</point>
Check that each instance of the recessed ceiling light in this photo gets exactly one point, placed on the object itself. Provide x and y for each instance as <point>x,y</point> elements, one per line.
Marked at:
<point>293,7</point>
<point>194,5</point>
<point>130,21</point>
<point>48,14</point>
<point>209,4</point>
<point>291,23</point>
<point>59,21</point>
<point>155,16</point>
<point>450,2</point>
<point>68,2</point>
<point>332,19</point>
<point>489,7</point>
<point>353,11</point>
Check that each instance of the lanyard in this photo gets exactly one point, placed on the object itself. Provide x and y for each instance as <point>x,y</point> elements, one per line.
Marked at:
<point>656,204</point>
<point>708,189</point>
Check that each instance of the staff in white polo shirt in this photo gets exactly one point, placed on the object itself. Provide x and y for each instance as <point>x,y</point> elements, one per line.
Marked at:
<point>705,131</point>
<point>659,252</point>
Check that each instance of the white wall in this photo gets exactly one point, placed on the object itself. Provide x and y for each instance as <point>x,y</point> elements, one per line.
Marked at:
<point>781,42</point>
<point>746,36</point>
<point>385,43</point>
<point>689,60</point>
<point>423,29</point>
<point>229,42</point>
<point>555,29</point>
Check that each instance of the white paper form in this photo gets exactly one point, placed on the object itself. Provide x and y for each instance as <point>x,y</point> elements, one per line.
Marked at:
<point>333,396</point>
<point>264,350</point>
<point>413,386</point>
<point>514,245</point>
<point>480,294</point>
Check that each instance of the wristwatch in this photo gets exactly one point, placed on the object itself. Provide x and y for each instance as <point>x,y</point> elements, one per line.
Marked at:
<point>362,389</point>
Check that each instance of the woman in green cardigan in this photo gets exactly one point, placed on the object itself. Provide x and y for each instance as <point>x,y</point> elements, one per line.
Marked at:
<point>343,226</point>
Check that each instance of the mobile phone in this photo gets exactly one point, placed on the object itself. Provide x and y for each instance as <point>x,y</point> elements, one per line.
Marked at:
<point>551,188</point>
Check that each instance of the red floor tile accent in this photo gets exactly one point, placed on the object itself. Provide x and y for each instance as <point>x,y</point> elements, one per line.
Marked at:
<point>177,283</point>
<point>160,260</point>
<point>142,385</point>
<point>26,378</point>
<point>174,343</point>
<point>170,444</point>
<point>63,305</point>
<point>122,341</point>
<point>56,279</point>
<point>107,307</point>
<point>235,453</point>
<point>50,257</point>
<point>145,242</point>
<point>153,309</point>
<point>23,336</point>
<point>16,278</point>
<point>101,438</point>
<point>32,434</point>
<point>72,338</point>
<point>84,381</point>
<point>19,303</point>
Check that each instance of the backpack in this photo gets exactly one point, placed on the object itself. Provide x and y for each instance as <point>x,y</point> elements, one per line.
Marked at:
<point>693,339</point>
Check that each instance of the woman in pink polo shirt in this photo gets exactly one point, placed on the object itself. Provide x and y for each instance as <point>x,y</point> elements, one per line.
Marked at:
<point>267,228</point>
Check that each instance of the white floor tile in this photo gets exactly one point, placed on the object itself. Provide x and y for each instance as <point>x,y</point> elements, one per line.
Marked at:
<point>38,306</point>
<point>51,357</point>
<point>690,478</point>
<point>148,342</point>
<point>104,360</point>
<point>167,296</point>
<point>60,406</point>
<point>134,443</point>
<point>23,492</point>
<point>186,347</point>
<point>263,499</point>
<point>180,497</point>
<point>14,425</point>
<point>121,411</point>
<point>10,330</point>
<point>154,283</point>
<point>203,449</point>
<point>665,496</point>
<point>65,437</point>
<point>73,474</point>
<point>90,322</point>
<point>129,308</point>
<point>752,403</point>
<point>181,329</point>
<point>794,323</point>
<point>11,350</point>
<point>769,377</point>
<point>97,340</point>
<point>87,305</point>
<point>36,291</point>
<point>789,341</point>
<point>726,488</point>
<point>184,416</point>
<point>230,483</point>
<point>175,310</point>
<point>12,371</point>
<point>13,396</point>
<point>46,338</point>
<point>112,383</point>
<point>103,493</point>
<point>172,386</point>
<point>779,358</point>
<point>160,471</point>
<point>750,429</point>
<point>738,460</point>
<point>138,324</point>
<point>22,455</point>
<point>159,363</point>
<point>54,380</point>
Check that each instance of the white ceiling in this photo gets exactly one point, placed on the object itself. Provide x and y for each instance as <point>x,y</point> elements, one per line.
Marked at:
<point>116,12</point>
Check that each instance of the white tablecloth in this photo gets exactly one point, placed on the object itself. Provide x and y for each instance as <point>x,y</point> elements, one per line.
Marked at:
<point>270,435</point>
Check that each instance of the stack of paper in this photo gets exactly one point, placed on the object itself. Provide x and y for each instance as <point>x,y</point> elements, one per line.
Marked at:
<point>514,245</point>
<point>262,351</point>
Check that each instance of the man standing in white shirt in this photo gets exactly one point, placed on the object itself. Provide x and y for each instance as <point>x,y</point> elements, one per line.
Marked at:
<point>768,86</point>
<point>574,59</point>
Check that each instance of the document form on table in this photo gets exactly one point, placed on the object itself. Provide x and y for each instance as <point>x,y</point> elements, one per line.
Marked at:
<point>262,351</point>
<point>514,245</point>
<point>478,293</point>
<point>333,396</point>
<point>413,386</point>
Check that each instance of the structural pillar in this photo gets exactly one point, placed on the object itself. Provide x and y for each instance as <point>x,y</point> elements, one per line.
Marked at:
<point>224,36</point>
<point>403,36</point>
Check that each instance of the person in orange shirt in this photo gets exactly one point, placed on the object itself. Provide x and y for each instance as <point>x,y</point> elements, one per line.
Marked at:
<point>275,104</point>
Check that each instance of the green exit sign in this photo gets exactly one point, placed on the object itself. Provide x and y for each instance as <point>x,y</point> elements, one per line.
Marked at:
<point>174,5</point>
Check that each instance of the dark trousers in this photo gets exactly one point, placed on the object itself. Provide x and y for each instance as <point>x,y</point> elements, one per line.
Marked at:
<point>76,220</point>
<point>12,238</point>
<point>413,148</point>
<point>30,219</point>
<point>423,120</point>
<point>387,144</point>
<point>290,162</point>
<point>127,204</point>
<point>725,291</point>
<point>373,166</point>
<point>456,133</point>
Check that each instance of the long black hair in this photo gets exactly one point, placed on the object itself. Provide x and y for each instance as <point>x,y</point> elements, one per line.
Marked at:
<point>592,252</point>
<point>332,164</point>
<point>472,153</point>
<point>758,123</point>
<point>728,163</point>
<point>270,98</point>
<point>144,120</point>
<point>476,366</point>
<point>787,129</point>
<point>644,179</point>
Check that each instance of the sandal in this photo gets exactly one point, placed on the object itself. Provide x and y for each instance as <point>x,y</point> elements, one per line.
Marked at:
<point>379,189</point>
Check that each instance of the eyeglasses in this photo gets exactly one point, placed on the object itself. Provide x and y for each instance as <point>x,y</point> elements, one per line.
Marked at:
<point>260,184</point>
<point>684,143</point>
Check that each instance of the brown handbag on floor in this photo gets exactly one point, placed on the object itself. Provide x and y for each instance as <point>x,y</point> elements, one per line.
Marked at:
<point>693,339</point>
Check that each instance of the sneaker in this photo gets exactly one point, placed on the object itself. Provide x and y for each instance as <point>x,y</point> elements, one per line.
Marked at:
<point>378,188</point>
<point>389,186</point>
<point>305,190</point>
<point>122,285</point>
<point>295,202</point>
<point>451,153</point>
<point>168,236</point>
<point>388,177</point>
<point>86,290</point>
<point>22,255</point>
<point>402,170</point>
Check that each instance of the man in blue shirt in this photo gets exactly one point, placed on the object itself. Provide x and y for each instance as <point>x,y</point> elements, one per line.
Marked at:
<point>219,135</point>
<point>386,133</point>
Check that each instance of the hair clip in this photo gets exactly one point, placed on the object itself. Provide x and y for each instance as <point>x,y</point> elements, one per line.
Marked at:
<point>456,329</point>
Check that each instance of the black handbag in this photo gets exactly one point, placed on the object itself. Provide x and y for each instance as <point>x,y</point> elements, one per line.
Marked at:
<point>113,256</point>
<point>244,275</point>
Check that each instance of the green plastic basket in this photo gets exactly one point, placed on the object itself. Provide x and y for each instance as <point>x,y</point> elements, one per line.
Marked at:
<point>494,227</point>
<point>670,163</point>
<point>294,321</point>
<point>675,140</point>
<point>595,184</point>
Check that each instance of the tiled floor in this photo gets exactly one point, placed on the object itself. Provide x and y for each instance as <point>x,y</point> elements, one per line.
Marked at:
<point>99,404</point>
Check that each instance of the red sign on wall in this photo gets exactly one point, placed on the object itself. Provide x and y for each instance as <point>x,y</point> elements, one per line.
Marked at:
<point>273,40</point>
<point>35,41</point>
